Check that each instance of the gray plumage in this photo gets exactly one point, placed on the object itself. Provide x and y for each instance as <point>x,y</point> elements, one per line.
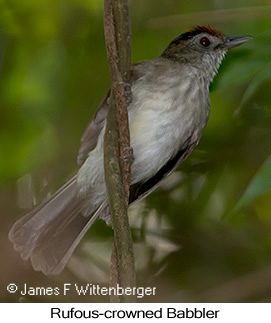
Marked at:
<point>167,115</point>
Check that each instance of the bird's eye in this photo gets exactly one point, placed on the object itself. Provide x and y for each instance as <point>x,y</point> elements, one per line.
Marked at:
<point>205,42</point>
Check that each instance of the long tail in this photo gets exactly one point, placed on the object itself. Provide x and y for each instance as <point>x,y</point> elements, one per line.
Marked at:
<point>49,234</point>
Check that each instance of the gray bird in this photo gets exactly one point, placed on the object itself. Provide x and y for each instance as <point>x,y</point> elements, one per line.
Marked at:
<point>169,110</point>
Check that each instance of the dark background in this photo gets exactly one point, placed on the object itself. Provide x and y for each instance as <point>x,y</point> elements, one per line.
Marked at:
<point>205,234</point>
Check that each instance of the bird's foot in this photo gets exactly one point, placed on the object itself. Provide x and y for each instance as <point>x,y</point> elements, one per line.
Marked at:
<point>128,155</point>
<point>128,91</point>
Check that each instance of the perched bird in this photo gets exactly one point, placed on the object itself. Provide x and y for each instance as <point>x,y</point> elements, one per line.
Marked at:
<point>167,114</point>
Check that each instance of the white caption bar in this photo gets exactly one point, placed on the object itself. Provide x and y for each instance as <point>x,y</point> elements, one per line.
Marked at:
<point>177,312</point>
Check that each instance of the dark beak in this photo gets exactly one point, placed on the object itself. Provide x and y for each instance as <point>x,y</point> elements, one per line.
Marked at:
<point>235,41</point>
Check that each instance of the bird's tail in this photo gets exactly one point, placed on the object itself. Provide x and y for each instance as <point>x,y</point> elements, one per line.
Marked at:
<point>49,234</point>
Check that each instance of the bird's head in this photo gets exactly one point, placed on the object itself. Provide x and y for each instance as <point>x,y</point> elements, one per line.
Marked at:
<point>203,47</point>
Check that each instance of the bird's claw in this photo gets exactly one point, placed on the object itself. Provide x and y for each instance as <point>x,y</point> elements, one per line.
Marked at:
<point>128,91</point>
<point>128,155</point>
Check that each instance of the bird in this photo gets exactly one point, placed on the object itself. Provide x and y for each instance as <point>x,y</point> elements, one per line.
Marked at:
<point>168,112</point>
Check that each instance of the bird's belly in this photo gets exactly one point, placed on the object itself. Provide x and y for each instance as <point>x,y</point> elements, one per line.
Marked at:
<point>156,136</point>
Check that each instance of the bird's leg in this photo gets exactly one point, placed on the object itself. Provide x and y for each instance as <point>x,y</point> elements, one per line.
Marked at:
<point>128,91</point>
<point>128,155</point>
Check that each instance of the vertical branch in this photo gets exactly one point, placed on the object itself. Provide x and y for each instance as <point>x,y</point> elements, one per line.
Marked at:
<point>117,140</point>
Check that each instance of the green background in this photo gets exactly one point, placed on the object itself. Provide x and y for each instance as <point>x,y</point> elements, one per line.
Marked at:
<point>205,234</point>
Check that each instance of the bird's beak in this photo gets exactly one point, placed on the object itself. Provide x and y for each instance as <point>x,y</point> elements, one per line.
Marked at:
<point>235,41</point>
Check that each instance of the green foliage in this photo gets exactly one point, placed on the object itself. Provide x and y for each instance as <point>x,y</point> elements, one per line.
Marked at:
<point>54,73</point>
<point>260,184</point>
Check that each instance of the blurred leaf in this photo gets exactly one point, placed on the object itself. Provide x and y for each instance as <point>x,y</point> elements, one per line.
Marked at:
<point>259,185</point>
<point>262,76</point>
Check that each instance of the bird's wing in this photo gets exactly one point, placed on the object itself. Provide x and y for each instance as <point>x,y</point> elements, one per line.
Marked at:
<point>140,190</point>
<point>94,128</point>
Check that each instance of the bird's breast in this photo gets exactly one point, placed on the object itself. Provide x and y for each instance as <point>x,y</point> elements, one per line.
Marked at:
<point>162,120</point>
